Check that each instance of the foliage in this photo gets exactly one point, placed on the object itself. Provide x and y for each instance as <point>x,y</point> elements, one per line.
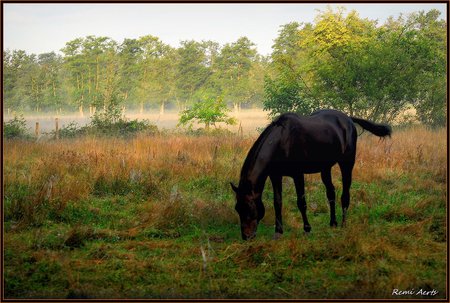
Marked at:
<point>15,128</point>
<point>209,112</point>
<point>107,124</point>
<point>111,123</point>
<point>71,130</point>
<point>431,39</point>
<point>214,132</point>
<point>432,111</point>
<point>192,70</point>
<point>93,71</point>
<point>284,95</point>
<point>156,71</point>
<point>349,63</point>
<point>285,90</point>
<point>235,64</point>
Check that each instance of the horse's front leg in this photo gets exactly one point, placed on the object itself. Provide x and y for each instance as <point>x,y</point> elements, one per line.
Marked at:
<point>277,204</point>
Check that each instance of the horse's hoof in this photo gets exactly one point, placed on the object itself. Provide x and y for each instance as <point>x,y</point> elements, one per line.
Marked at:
<point>276,236</point>
<point>307,233</point>
<point>333,224</point>
<point>307,228</point>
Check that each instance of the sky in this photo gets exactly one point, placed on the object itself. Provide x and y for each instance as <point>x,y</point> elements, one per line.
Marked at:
<point>46,27</point>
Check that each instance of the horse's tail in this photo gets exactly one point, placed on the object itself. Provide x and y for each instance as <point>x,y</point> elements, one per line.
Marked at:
<point>378,129</point>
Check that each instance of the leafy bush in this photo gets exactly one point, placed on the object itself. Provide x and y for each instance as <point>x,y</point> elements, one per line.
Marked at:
<point>285,94</point>
<point>121,127</point>
<point>215,132</point>
<point>15,128</point>
<point>107,124</point>
<point>111,123</point>
<point>209,111</point>
<point>72,130</point>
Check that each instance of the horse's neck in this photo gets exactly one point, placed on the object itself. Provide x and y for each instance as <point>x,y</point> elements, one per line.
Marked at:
<point>256,176</point>
<point>257,173</point>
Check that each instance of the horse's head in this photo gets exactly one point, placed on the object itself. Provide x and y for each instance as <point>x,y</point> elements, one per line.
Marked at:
<point>250,209</point>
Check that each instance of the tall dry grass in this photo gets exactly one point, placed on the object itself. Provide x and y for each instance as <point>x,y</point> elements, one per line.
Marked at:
<point>61,172</point>
<point>66,171</point>
<point>408,151</point>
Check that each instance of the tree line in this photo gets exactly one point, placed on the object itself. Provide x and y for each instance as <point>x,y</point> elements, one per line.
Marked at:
<point>99,73</point>
<point>339,61</point>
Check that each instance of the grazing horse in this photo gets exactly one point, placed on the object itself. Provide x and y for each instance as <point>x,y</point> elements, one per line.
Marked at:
<point>292,146</point>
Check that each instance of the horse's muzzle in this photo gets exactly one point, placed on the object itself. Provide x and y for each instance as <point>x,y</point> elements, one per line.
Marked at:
<point>248,229</point>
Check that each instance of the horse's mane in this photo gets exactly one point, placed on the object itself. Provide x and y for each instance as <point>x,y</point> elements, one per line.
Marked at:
<point>254,150</point>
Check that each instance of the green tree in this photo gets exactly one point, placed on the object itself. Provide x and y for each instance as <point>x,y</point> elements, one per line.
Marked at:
<point>337,43</point>
<point>287,42</point>
<point>234,65</point>
<point>93,67</point>
<point>431,37</point>
<point>287,86</point>
<point>75,67</point>
<point>50,66</point>
<point>193,71</point>
<point>154,86</point>
<point>130,57</point>
<point>15,69</point>
<point>158,72</point>
<point>284,94</point>
<point>30,83</point>
<point>208,112</point>
<point>10,71</point>
<point>167,77</point>
<point>101,67</point>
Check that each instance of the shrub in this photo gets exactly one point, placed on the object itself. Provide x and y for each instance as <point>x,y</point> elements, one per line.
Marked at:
<point>15,128</point>
<point>110,123</point>
<point>215,132</point>
<point>106,124</point>
<point>208,112</point>
<point>72,130</point>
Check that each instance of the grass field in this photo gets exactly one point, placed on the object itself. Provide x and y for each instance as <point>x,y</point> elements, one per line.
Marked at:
<point>153,217</point>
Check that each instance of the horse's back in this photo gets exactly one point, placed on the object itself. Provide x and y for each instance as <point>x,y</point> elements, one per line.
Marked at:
<point>324,116</point>
<point>318,140</point>
<point>322,125</point>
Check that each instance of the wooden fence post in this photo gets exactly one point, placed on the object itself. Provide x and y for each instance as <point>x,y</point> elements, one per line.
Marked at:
<point>215,153</point>
<point>37,130</point>
<point>56,128</point>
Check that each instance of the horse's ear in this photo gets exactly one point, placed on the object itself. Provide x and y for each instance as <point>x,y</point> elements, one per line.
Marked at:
<point>234,187</point>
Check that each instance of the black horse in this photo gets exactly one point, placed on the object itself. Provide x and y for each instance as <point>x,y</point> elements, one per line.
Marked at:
<point>292,146</point>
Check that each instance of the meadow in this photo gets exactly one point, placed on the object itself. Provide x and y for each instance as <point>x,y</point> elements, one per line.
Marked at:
<point>153,217</point>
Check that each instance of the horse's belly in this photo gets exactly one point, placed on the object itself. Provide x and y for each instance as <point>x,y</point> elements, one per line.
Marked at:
<point>293,168</point>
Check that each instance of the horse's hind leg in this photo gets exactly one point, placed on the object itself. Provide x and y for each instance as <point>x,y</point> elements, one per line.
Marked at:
<point>346,170</point>
<point>299,182</point>
<point>326,179</point>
